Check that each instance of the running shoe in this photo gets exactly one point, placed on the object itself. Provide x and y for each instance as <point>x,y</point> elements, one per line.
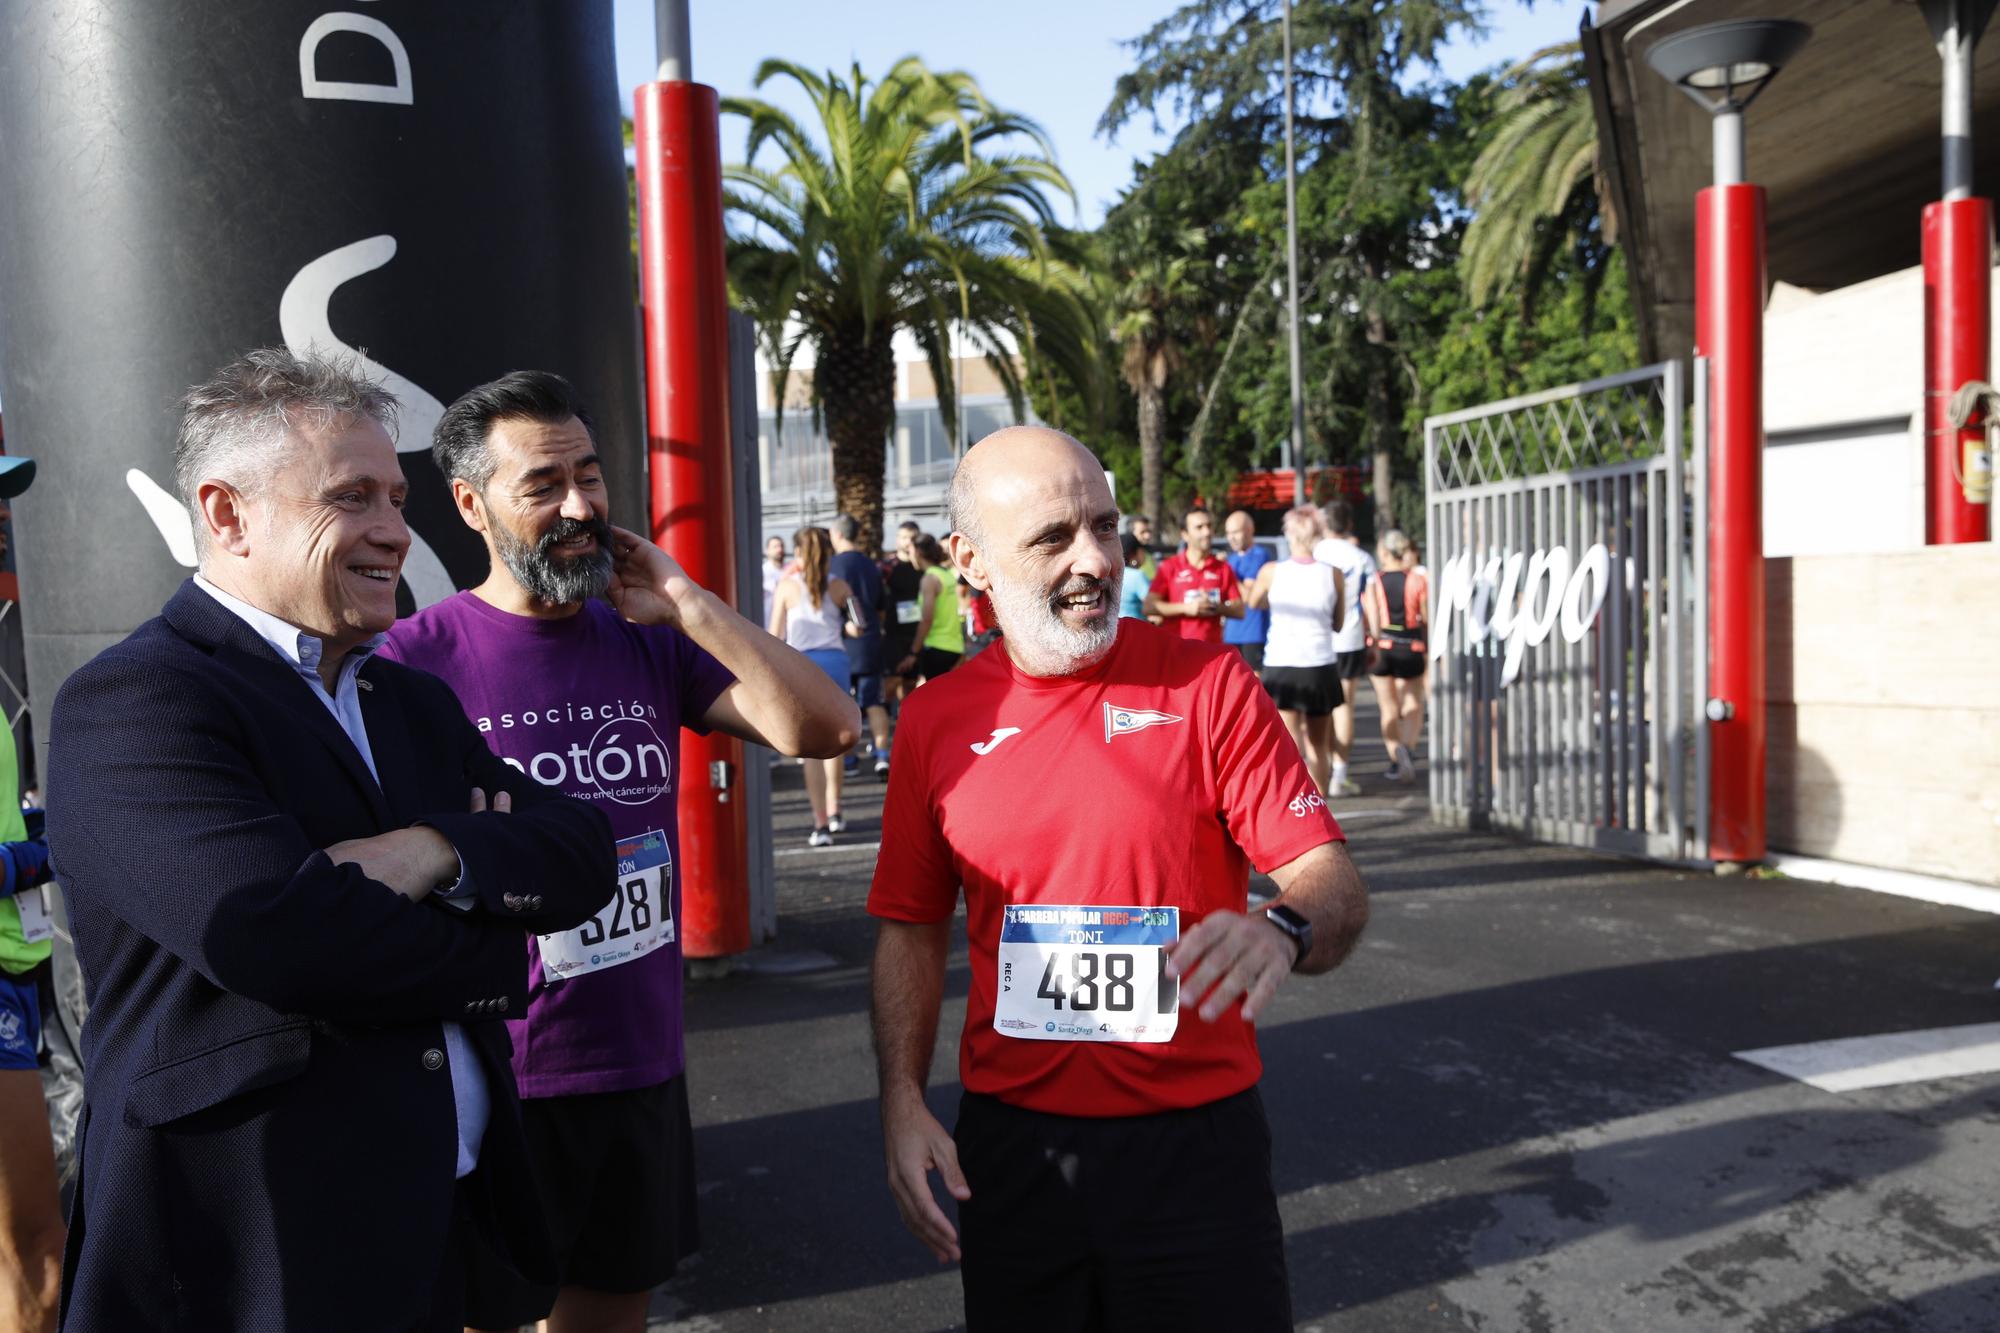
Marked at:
<point>881,763</point>
<point>820,837</point>
<point>1347,787</point>
<point>835,824</point>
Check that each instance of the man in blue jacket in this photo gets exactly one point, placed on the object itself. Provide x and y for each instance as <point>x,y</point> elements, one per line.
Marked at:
<point>301,888</point>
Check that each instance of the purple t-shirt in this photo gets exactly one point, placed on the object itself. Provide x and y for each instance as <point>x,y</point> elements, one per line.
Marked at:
<point>591,705</point>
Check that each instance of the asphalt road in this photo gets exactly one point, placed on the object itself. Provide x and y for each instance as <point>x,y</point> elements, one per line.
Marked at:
<point>1514,1108</point>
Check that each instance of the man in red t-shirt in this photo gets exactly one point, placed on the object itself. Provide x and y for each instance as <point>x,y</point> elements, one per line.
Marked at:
<point>1111,1158</point>
<point>1194,590</point>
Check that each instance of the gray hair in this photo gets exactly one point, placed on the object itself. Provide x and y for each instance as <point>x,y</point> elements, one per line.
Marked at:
<point>961,507</point>
<point>846,527</point>
<point>235,424</point>
<point>1396,543</point>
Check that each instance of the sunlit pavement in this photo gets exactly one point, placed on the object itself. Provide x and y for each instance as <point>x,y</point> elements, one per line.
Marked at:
<point>1516,1107</point>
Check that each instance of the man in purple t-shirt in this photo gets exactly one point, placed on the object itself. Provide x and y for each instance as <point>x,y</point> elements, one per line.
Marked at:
<point>589,696</point>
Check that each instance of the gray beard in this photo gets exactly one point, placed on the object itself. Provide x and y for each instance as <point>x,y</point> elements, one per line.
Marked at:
<point>554,579</point>
<point>1036,636</point>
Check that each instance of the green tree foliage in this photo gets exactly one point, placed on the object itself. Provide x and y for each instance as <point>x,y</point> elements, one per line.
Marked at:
<point>916,206</point>
<point>1533,187</point>
<point>1389,333</point>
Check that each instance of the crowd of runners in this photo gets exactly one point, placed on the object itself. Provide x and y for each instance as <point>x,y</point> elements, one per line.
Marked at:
<point>1311,611</point>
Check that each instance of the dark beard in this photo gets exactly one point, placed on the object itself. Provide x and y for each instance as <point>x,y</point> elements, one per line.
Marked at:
<point>557,579</point>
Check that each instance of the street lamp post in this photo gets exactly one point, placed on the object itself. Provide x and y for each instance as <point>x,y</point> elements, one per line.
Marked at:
<point>1723,67</point>
<point>684,316</point>
<point>1292,282</point>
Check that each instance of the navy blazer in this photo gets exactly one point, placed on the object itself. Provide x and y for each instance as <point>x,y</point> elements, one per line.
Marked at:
<point>269,1137</point>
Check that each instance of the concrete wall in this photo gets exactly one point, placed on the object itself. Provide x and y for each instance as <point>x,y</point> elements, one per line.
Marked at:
<point>1885,709</point>
<point>1843,390</point>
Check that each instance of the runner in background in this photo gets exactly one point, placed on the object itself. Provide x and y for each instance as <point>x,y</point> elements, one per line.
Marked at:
<point>1246,556</point>
<point>1399,609</point>
<point>1141,528</point>
<point>1112,1161</point>
<point>1301,671</point>
<point>31,1220</point>
<point>1350,642</point>
<point>1196,591</point>
<point>940,636</point>
<point>863,577</point>
<point>810,613</point>
<point>903,585</point>
<point>579,659</point>
<point>1135,582</point>
<point>773,570</point>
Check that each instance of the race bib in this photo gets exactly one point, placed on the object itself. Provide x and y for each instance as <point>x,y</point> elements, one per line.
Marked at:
<point>909,613</point>
<point>36,923</point>
<point>638,920</point>
<point>1087,973</point>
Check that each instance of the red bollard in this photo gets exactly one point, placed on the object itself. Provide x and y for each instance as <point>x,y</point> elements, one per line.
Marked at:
<point>1729,331</point>
<point>1958,346</point>
<point>683,300</point>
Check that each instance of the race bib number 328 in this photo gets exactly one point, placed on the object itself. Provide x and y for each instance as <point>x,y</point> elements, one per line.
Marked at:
<point>1087,973</point>
<point>638,920</point>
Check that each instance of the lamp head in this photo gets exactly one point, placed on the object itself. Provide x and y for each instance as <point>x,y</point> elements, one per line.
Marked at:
<point>1723,66</point>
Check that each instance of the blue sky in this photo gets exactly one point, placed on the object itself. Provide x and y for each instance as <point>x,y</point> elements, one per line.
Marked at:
<point>1054,60</point>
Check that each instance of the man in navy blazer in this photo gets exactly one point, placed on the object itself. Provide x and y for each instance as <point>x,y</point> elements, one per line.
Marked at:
<point>300,887</point>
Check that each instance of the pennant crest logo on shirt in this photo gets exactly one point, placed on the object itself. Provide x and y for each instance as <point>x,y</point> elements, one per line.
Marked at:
<point>1118,721</point>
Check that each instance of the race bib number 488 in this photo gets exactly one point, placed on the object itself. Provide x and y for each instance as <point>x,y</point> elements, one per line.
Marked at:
<point>1087,973</point>
<point>637,921</point>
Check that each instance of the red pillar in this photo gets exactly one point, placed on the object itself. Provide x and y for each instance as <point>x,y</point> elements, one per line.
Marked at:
<point>1729,331</point>
<point>685,313</point>
<point>1958,346</point>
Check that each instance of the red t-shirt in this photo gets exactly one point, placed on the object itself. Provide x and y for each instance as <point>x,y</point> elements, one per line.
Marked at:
<point>1152,780</point>
<point>1177,578</point>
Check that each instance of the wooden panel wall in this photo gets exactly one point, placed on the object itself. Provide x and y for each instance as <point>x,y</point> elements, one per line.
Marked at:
<point>1884,709</point>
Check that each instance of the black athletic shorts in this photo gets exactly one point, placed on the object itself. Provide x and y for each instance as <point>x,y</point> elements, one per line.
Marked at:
<point>1352,666</point>
<point>934,662</point>
<point>1401,663</point>
<point>616,1172</point>
<point>1251,653</point>
<point>1158,1222</point>
<point>1314,691</point>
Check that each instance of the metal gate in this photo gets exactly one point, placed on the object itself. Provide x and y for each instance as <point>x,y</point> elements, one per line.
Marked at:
<point>1569,622</point>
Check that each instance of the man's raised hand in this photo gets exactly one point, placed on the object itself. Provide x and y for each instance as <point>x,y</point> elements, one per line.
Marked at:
<point>648,586</point>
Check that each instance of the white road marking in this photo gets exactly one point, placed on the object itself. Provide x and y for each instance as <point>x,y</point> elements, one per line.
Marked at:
<point>1851,1063</point>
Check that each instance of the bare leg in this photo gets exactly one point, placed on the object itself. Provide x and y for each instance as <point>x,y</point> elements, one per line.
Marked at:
<point>816,788</point>
<point>1295,726</point>
<point>1343,724</point>
<point>833,780</point>
<point>581,1310</point>
<point>31,1224</point>
<point>1390,710</point>
<point>1416,692</point>
<point>878,723</point>
<point>1319,760</point>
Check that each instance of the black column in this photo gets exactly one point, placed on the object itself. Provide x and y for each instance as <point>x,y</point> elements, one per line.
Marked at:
<point>439,185</point>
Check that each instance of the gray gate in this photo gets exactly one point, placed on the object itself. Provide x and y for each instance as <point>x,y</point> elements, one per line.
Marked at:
<point>1568,615</point>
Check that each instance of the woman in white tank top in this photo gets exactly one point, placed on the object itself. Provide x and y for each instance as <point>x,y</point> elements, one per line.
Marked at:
<point>809,612</point>
<point>1304,598</point>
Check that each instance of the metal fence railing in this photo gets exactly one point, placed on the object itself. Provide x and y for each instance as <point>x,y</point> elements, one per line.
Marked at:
<point>1568,615</point>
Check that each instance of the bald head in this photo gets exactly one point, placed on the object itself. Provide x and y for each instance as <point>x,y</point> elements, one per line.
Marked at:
<point>1001,468</point>
<point>1034,524</point>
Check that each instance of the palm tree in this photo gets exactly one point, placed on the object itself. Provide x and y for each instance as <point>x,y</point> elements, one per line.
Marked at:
<point>1146,267</point>
<point>1535,184</point>
<point>922,207</point>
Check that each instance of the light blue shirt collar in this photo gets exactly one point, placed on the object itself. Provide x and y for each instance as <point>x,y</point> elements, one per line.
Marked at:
<point>302,649</point>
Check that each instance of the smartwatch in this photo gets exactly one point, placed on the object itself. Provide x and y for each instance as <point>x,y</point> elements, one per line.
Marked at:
<point>1293,924</point>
